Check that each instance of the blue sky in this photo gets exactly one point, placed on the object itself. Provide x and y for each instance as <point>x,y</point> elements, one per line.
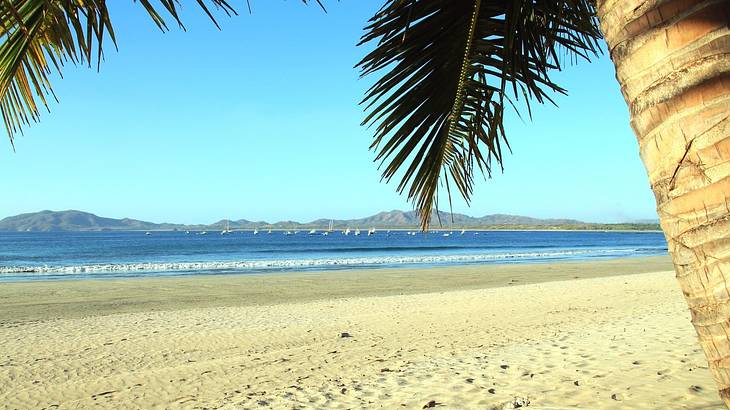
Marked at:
<point>261,121</point>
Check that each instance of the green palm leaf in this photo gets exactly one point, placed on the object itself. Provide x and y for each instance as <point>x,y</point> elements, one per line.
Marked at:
<point>38,36</point>
<point>448,70</point>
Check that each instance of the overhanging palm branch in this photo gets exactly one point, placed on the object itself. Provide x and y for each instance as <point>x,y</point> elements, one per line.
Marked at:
<point>449,68</point>
<point>38,36</point>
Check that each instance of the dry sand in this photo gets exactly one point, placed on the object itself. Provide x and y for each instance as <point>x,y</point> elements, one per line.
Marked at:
<point>474,337</point>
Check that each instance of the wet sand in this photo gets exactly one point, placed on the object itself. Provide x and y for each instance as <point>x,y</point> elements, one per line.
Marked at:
<point>78,298</point>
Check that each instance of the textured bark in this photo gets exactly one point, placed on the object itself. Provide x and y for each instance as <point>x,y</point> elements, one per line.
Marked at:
<point>672,60</point>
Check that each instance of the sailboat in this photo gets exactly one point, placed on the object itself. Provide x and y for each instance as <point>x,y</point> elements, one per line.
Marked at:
<point>255,231</point>
<point>331,226</point>
<point>357,231</point>
<point>347,231</point>
<point>313,231</point>
<point>371,231</point>
<point>462,231</point>
<point>227,229</point>
<point>269,232</point>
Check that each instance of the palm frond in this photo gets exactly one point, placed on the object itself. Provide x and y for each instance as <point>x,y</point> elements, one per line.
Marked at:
<point>37,37</point>
<point>449,68</point>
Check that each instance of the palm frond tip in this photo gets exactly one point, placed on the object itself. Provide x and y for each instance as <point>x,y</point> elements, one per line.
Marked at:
<point>38,36</point>
<point>447,70</point>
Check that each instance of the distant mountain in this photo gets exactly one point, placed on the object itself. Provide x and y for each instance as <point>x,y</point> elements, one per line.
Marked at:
<point>73,221</point>
<point>397,218</point>
<point>84,221</point>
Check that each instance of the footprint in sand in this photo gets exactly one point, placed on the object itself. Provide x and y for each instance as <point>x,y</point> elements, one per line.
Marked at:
<point>103,394</point>
<point>696,389</point>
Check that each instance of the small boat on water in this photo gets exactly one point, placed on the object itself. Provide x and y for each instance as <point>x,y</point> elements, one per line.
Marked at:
<point>187,232</point>
<point>203,233</point>
<point>346,231</point>
<point>287,233</point>
<point>462,231</point>
<point>331,226</point>
<point>147,233</point>
<point>269,232</point>
<point>371,231</point>
<point>357,232</point>
<point>255,231</point>
<point>325,233</point>
<point>227,229</point>
<point>313,232</point>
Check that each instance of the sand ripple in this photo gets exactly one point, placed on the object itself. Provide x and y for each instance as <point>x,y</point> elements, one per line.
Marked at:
<point>607,343</point>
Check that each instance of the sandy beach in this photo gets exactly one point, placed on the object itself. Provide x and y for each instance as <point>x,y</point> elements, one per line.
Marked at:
<point>610,334</point>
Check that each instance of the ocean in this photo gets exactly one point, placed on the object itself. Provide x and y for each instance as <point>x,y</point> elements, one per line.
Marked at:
<point>28,256</point>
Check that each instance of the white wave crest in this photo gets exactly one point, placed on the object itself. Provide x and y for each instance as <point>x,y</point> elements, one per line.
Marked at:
<point>293,264</point>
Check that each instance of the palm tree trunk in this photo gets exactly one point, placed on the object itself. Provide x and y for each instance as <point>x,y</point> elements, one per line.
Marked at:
<point>672,60</point>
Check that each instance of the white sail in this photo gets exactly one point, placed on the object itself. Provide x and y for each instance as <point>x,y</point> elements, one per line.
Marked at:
<point>227,229</point>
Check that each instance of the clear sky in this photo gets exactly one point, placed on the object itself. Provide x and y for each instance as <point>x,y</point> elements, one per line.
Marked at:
<point>261,121</point>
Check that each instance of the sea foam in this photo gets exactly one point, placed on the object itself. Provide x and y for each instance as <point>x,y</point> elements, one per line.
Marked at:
<point>307,264</point>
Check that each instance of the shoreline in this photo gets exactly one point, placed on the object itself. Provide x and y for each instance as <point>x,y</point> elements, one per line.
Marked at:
<point>323,229</point>
<point>41,300</point>
<point>614,338</point>
<point>181,269</point>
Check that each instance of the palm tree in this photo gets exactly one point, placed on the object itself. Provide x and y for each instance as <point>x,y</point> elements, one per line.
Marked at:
<point>449,69</point>
<point>673,63</point>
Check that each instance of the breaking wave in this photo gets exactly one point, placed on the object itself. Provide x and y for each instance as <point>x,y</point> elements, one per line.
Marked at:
<point>314,263</point>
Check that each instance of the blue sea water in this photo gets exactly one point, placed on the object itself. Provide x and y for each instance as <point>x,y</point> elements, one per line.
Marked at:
<point>79,255</point>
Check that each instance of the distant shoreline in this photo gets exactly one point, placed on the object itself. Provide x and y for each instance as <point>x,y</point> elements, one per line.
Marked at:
<point>338,230</point>
<point>77,221</point>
